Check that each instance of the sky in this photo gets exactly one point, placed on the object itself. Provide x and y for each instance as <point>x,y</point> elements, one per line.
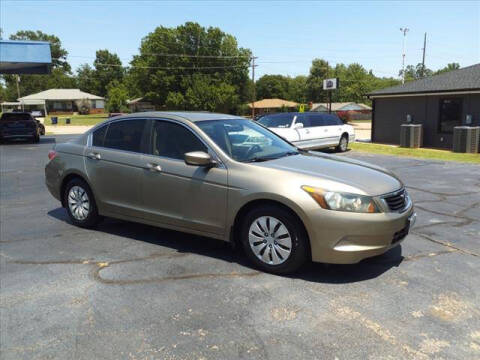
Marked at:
<point>284,35</point>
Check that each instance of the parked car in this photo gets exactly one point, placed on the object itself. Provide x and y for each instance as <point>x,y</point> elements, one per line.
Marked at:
<point>19,125</point>
<point>230,178</point>
<point>311,130</point>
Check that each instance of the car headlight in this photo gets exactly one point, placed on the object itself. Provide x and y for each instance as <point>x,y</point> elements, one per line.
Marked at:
<point>342,201</point>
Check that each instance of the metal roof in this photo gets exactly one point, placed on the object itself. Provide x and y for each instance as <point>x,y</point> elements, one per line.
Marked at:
<point>465,79</point>
<point>25,57</point>
<point>338,106</point>
<point>61,94</point>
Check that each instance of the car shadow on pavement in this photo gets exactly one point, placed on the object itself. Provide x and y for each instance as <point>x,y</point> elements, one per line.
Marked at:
<point>43,140</point>
<point>220,250</point>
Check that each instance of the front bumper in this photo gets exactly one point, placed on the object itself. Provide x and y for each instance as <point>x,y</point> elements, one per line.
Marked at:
<point>347,238</point>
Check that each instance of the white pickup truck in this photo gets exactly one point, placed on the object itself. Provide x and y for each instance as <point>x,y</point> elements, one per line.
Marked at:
<point>310,130</point>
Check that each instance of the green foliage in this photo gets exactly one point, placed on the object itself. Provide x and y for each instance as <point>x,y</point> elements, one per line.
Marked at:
<point>117,96</point>
<point>108,68</point>
<point>272,87</point>
<point>319,71</point>
<point>86,79</point>
<point>205,83</point>
<point>449,67</point>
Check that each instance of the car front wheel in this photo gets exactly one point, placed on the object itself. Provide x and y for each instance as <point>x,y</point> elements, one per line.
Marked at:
<point>274,240</point>
<point>80,204</point>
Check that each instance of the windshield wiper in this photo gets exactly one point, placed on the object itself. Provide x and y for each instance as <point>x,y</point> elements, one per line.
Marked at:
<point>266,158</point>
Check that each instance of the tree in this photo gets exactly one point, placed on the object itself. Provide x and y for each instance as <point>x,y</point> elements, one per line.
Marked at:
<point>297,89</point>
<point>318,72</point>
<point>212,60</point>
<point>87,79</point>
<point>415,72</point>
<point>117,96</point>
<point>449,67</point>
<point>272,87</point>
<point>108,68</point>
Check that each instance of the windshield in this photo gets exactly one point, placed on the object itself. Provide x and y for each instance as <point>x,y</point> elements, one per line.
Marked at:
<point>243,140</point>
<point>277,120</point>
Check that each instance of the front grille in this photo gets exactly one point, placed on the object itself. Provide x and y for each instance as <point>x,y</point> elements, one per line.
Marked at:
<point>397,201</point>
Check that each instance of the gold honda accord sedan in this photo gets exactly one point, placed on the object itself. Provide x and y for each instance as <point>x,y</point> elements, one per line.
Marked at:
<point>230,178</point>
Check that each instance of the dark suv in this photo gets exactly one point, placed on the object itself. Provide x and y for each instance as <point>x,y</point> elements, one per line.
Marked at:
<point>19,125</point>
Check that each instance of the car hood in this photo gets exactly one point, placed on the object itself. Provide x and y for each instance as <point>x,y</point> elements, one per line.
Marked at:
<point>368,178</point>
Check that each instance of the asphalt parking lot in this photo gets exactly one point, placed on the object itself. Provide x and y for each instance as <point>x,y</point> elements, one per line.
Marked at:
<point>129,291</point>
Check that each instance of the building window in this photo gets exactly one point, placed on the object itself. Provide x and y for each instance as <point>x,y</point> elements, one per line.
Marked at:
<point>450,114</point>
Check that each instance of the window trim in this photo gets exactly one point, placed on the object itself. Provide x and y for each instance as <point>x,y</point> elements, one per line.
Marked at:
<point>439,120</point>
<point>149,141</point>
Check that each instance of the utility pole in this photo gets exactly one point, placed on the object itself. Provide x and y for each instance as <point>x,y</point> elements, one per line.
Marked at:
<point>423,58</point>
<point>253,83</point>
<point>18,86</point>
<point>404,31</point>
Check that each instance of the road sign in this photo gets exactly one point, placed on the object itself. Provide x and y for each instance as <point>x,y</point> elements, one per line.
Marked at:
<point>330,84</point>
<point>302,108</point>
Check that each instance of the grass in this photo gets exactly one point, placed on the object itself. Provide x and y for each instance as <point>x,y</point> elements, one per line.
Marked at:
<point>443,155</point>
<point>77,119</point>
<point>360,121</point>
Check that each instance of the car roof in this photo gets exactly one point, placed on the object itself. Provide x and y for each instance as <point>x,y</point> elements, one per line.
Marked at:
<point>193,116</point>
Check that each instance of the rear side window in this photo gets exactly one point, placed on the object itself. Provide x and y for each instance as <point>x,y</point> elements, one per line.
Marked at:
<point>174,141</point>
<point>99,136</point>
<point>317,120</point>
<point>125,135</point>
<point>332,120</point>
<point>277,120</point>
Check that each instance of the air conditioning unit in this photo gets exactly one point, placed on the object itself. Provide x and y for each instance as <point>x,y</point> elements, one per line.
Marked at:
<point>411,135</point>
<point>466,139</point>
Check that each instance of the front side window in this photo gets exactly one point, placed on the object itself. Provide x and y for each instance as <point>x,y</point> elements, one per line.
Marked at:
<point>277,120</point>
<point>125,135</point>
<point>450,114</point>
<point>303,119</point>
<point>245,141</point>
<point>174,141</point>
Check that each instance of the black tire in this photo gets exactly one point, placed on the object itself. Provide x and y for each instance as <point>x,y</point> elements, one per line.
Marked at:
<point>36,139</point>
<point>299,239</point>
<point>342,144</point>
<point>92,218</point>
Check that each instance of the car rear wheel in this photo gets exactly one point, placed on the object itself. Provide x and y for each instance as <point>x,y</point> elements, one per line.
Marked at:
<point>274,240</point>
<point>80,204</point>
<point>343,144</point>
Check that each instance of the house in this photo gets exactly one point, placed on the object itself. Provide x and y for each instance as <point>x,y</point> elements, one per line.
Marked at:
<point>346,110</point>
<point>68,101</point>
<point>139,105</point>
<point>25,57</point>
<point>439,103</point>
<point>272,105</point>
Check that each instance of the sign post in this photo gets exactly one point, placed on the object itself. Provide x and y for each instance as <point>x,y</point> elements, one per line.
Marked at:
<point>329,85</point>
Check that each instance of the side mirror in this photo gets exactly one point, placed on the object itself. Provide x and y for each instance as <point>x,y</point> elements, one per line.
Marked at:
<point>298,126</point>
<point>198,158</point>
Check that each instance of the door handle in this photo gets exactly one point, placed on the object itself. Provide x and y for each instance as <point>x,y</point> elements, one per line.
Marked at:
<point>307,131</point>
<point>154,167</point>
<point>94,156</point>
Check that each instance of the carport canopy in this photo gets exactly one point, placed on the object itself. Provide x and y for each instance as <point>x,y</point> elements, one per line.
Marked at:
<point>25,57</point>
<point>22,104</point>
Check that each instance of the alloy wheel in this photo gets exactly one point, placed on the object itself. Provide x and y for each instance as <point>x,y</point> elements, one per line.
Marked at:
<point>343,143</point>
<point>78,203</point>
<point>270,240</point>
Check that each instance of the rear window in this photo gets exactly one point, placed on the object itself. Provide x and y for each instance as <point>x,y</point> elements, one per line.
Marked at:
<point>332,120</point>
<point>99,136</point>
<point>277,120</point>
<point>15,117</point>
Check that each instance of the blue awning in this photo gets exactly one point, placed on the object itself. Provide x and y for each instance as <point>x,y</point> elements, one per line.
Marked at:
<point>25,57</point>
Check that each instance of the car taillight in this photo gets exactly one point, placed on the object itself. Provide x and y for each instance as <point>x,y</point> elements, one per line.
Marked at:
<point>52,154</point>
